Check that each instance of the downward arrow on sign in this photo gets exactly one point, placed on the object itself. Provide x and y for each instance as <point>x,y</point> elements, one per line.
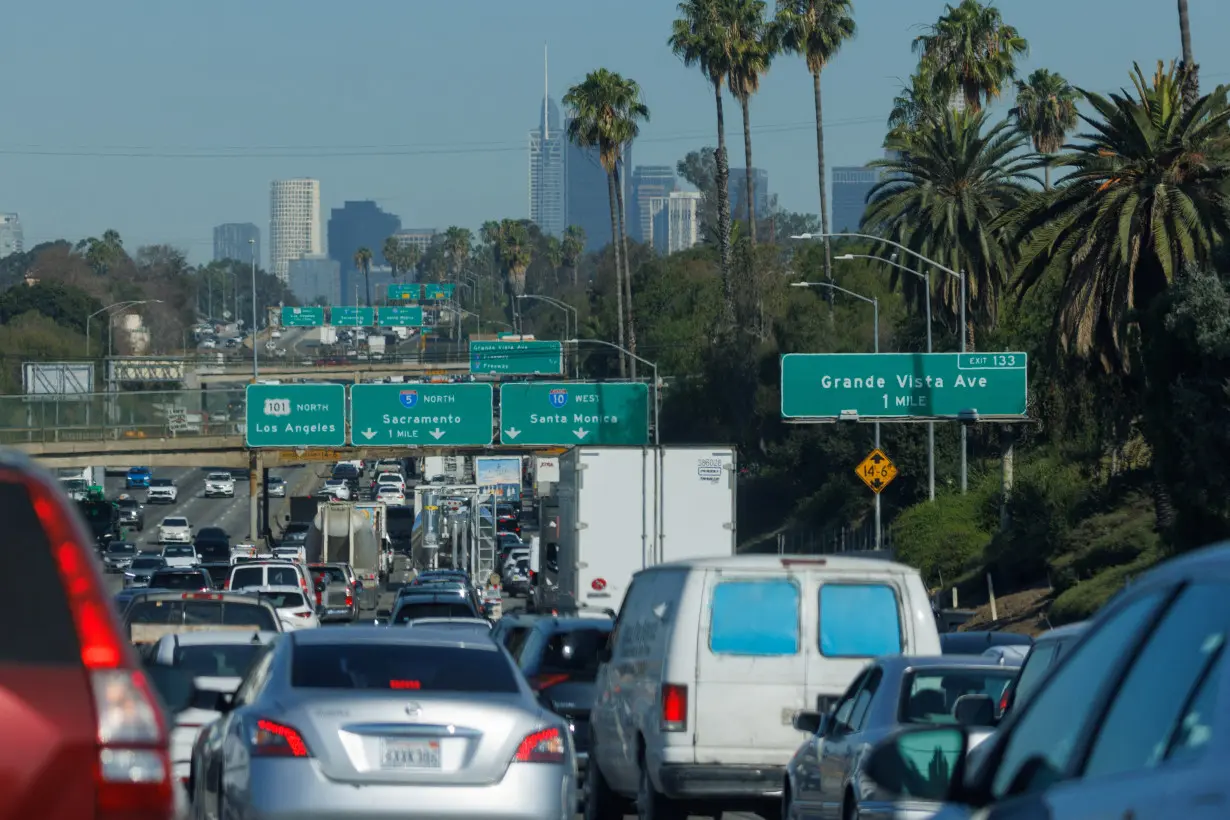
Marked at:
<point>437,433</point>
<point>369,434</point>
<point>580,432</point>
<point>512,432</point>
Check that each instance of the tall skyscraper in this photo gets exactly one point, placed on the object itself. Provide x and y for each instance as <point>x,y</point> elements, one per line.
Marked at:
<point>11,238</point>
<point>851,185</point>
<point>649,183</point>
<point>587,196</point>
<point>676,224</point>
<point>294,223</point>
<point>231,242</point>
<point>316,277</point>
<point>548,191</point>
<point>738,193</point>
<point>357,225</point>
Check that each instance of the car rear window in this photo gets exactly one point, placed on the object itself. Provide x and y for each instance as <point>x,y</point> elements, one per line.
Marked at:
<point>38,597</point>
<point>179,580</point>
<point>140,563</point>
<point>121,547</point>
<point>284,600</point>
<point>393,666</point>
<point>201,613</point>
<point>334,575</point>
<point>283,577</point>
<point>514,638</point>
<point>161,482</point>
<point>573,653</point>
<point>930,697</point>
<point>219,574</point>
<point>177,552</point>
<point>219,660</point>
<point>859,621</point>
<point>755,618</point>
<point>175,522</point>
<point>248,577</point>
<point>433,609</point>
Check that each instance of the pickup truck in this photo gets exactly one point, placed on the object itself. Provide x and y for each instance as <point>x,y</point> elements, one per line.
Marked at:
<point>180,556</point>
<point>152,615</point>
<point>219,485</point>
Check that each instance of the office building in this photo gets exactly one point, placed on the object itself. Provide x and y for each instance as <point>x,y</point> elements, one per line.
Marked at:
<point>231,241</point>
<point>547,184</point>
<point>11,237</point>
<point>676,221</point>
<point>738,193</point>
<point>421,238</point>
<point>587,196</point>
<point>355,225</point>
<point>649,183</point>
<point>315,277</point>
<point>294,223</point>
<point>851,185</point>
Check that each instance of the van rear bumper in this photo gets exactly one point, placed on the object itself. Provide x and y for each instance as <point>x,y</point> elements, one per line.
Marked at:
<point>703,780</point>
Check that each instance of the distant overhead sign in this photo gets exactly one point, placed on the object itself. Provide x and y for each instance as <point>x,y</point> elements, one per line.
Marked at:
<point>522,358</point>
<point>59,381</point>
<point>296,415</point>
<point>540,413</point>
<point>352,316</point>
<point>438,291</point>
<point>400,316</point>
<point>303,316</point>
<point>421,415</point>
<point>404,293</point>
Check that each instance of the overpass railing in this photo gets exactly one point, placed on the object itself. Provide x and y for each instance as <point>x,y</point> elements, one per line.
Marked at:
<point>118,416</point>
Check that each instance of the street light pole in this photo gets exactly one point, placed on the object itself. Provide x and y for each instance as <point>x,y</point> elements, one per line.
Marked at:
<point>255,352</point>
<point>122,305</point>
<point>926,277</point>
<point>568,309</point>
<point>875,308</point>
<point>964,332</point>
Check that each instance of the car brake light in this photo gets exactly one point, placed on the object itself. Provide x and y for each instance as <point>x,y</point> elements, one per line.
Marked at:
<point>303,614</point>
<point>674,707</point>
<point>318,598</point>
<point>545,746</point>
<point>201,596</point>
<point>540,682</point>
<point>271,739</point>
<point>349,597</point>
<point>1004,700</point>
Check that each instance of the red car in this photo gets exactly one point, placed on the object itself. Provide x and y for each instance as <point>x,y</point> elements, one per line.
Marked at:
<point>85,735</point>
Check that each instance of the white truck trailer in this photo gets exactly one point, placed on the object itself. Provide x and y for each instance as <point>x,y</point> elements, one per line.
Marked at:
<point>344,532</point>
<point>617,510</point>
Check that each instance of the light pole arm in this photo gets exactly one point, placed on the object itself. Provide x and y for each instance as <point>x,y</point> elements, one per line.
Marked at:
<point>896,245</point>
<point>831,286</point>
<point>897,265</point>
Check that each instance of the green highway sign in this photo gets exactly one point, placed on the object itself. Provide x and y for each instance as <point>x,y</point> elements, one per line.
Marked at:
<point>438,291</point>
<point>404,293</point>
<point>542,413</point>
<point>296,415</point>
<point>352,316</point>
<point>400,316</point>
<point>523,358</point>
<point>904,385</point>
<point>303,316</point>
<point>420,415</point>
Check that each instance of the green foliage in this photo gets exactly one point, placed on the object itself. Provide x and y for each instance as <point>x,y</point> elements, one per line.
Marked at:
<point>946,538</point>
<point>1112,538</point>
<point>1043,506</point>
<point>61,303</point>
<point>1087,597</point>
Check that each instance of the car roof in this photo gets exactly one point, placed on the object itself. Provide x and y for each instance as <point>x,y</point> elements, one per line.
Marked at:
<point>214,595</point>
<point>832,563</point>
<point>561,623</point>
<point>182,570</point>
<point>276,588</point>
<point>432,597</point>
<point>423,636</point>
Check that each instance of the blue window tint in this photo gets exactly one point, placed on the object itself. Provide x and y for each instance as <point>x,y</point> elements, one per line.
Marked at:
<point>859,621</point>
<point>755,618</point>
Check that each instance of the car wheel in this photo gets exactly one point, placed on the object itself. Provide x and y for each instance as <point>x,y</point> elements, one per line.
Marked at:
<point>650,805</point>
<point>849,808</point>
<point>601,803</point>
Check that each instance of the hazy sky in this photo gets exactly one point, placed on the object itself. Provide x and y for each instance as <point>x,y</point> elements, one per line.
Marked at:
<point>162,119</point>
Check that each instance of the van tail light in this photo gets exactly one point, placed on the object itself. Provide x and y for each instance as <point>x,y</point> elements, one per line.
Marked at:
<point>544,746</point>
<point>674,707</point>
<point>349,597</point>
<point>270,739</point>
<point>540,682</point>
<point>133,770</point>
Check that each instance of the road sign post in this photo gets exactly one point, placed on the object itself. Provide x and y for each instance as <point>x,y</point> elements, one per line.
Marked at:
<point>904,386</point>
<point>421,415</point>
<point>543,413</point>
<point>404,293</point>
<point>296,415</point>
<point>352,316</point>
<point>877,471</point>
<point>404,316</point>
<point>303,316</point>
<point>521,358</point>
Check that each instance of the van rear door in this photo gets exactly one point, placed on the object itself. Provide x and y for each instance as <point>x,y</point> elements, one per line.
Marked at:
<point>751,668</point>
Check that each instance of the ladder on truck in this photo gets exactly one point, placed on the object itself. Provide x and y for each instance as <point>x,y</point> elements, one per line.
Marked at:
<point>484,538</point>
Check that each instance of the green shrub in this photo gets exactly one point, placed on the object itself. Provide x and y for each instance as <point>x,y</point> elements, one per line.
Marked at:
<point>1113,538</point>
<point>1044,501</point>
<point>943,538</point>
<point>1087,597</point>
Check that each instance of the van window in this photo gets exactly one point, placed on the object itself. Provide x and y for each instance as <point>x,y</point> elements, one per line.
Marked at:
<point>755,618</point>
<point>859,621</point>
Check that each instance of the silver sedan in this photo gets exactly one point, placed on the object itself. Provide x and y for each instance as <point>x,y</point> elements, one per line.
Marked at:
<point>378,723</point>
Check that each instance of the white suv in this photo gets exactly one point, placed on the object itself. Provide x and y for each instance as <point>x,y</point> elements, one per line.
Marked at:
<point>162,491</point>
<point>219,485</point>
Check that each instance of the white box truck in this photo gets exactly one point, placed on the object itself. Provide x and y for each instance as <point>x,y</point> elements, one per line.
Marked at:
<point>617,510</point>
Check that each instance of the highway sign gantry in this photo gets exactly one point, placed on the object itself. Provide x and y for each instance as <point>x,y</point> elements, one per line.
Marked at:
<point>438,292</point>
<point>352,316</point>
<point>296,415</point>
<point>421,415</point>
<point>403,316</point>
<point>303,316</point>
<point>877,471</point>
<point>904,386</point>
<point>518,358</point>
<point>404,293</point>
<point>544,413</point>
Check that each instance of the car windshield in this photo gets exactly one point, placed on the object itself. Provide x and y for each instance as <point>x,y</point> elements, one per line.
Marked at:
<point>177,552</point>
<point>276,481</point>
<point>388,489</point>
<point>180,580</point>
<point>335,482</point>
<point>574,653</point>
<point>162,482</point>
<point>930,696</point>
<point>127,502</point>
<point>403,667</point>
<point>175,522</point>
<point>284,600</point>
<point>121,547</point>
<point>411,610</point>
<point>147,563</point>
<point>219,477</point>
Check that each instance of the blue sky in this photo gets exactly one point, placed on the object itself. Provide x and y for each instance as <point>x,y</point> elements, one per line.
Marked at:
<point>162,119</point>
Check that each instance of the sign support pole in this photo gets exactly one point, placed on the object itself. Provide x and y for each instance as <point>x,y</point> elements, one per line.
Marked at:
<point>255,462</point>
<point>875,306</point>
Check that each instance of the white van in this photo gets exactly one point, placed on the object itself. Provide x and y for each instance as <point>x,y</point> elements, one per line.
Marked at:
<point>711,658</point>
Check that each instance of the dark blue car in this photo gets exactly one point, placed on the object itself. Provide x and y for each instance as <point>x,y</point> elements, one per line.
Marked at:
<point>137,477</point>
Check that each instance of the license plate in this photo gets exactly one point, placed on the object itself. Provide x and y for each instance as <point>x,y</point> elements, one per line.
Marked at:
<point>409,754</point>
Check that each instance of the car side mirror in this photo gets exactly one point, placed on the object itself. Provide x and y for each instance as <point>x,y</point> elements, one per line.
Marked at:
<point>922,763</point>
<point>812,723</point>
<point>974,710</point>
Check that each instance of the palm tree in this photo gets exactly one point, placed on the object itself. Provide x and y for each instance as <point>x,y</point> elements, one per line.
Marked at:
<point>363,264</point>
<point>409,257</point>
<point>700,37</point>
<point>391,250</point>
<point>1046,111</point>
<point>1145,196</point>
<point>754,49</point>
<point>606,113</point>
<point>915,107</point>
<point>553,252</point>
<point>816,30</point>
<point>941,199</point>
<point>457,242</point>
<point>971,51</point>
<point>572,248</point>
<point>1190,70</point>
<point>515,253</point>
